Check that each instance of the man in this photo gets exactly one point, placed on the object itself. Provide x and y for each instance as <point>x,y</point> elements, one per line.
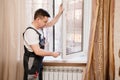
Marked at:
<point>34,42</point>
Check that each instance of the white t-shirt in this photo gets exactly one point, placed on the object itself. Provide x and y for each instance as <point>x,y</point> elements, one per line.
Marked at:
<point>31,37</point>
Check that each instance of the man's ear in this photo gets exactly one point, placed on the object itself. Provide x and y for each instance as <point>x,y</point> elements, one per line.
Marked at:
<point>37,18</point>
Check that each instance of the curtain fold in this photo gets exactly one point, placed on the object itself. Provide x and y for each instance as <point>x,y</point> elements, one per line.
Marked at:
<point>101,65</point>
<point>12,23</point>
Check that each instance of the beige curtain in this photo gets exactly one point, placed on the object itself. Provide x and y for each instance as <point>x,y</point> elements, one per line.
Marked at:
<point>12,23</point>
<point>100,64</point>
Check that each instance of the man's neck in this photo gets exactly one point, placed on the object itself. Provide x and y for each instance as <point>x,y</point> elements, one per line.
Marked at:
<point>35,25</point>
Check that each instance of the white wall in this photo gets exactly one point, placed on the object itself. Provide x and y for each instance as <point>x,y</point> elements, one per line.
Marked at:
<point>117,38</point>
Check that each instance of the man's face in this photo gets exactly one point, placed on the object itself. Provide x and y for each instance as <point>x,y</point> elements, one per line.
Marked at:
<point>42,22</point>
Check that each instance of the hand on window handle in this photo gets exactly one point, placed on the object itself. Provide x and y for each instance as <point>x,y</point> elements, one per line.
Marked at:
<point>55,54</point>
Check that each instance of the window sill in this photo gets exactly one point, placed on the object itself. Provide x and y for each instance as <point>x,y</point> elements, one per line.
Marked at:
<point>50,61</point>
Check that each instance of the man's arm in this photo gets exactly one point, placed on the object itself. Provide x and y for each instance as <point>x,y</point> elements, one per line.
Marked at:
<point>41,52</point>
<point>55,19</point>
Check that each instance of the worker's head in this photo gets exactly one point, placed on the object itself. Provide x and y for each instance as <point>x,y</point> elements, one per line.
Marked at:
<point>41,13</point>
<point>41,17</point>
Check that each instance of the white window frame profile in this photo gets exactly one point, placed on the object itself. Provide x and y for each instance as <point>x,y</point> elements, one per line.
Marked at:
<point>86,31</point>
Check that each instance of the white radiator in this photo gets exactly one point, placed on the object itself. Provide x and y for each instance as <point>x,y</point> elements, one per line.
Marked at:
<point>62,73</point>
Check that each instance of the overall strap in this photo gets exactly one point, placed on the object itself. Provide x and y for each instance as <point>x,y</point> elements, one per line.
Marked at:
<point>42,41</point>
<point>33,29</point>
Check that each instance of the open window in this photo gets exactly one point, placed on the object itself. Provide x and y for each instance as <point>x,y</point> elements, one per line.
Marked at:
<point>75,29</point>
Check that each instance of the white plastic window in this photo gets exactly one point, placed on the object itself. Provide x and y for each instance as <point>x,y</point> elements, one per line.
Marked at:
<point>71,32</point>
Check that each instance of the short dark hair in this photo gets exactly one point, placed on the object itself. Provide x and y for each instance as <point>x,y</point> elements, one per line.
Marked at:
<point>41,13</point>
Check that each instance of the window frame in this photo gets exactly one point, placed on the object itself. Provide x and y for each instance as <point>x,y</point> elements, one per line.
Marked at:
<point>86,31</point>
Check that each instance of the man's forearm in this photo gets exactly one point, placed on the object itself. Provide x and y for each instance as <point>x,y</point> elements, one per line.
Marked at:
<point>55,19</point>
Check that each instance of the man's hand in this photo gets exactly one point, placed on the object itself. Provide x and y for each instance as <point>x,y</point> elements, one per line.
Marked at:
<point>55,54</point>
<point>61,8</point>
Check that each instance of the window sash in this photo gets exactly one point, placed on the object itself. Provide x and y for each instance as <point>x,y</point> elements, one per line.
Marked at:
<point>85,33</point>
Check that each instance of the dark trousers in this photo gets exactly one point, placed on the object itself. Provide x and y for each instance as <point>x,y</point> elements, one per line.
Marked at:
<point>26,75</point>
<point>25,63</point>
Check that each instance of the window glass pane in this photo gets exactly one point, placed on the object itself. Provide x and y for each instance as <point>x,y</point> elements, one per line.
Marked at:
<point>74,26</point>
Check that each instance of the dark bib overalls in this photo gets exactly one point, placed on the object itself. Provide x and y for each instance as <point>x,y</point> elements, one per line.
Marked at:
<point>32,63</point>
